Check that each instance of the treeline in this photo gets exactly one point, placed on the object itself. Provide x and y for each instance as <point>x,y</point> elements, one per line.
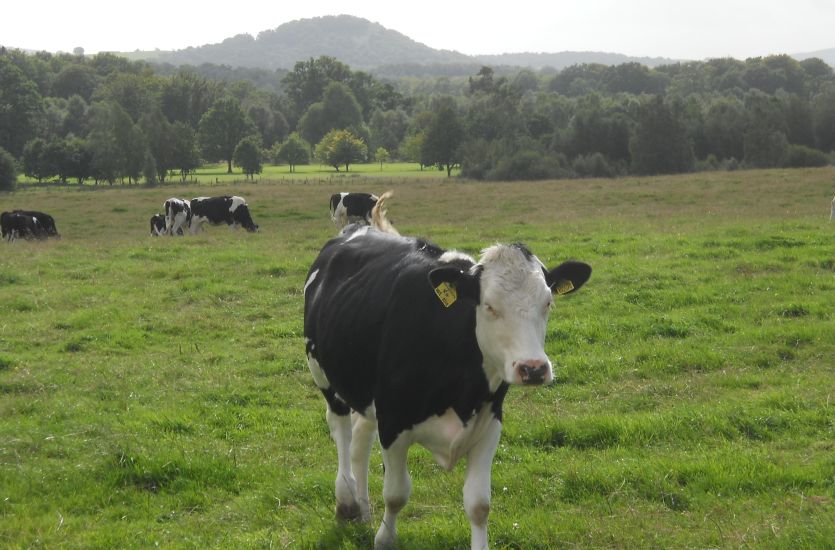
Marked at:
<point>103,118</point>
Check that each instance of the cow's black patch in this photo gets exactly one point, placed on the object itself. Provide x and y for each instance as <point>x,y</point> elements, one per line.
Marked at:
<point>219,210</point>
<point>46,221</point>
<point>381,335</point>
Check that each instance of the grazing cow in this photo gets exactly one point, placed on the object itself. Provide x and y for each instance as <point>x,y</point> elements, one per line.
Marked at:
<point>349,208</point>
<point>14,225</point>
<point>46,221</point>
<point>421,345</point>
<point>157,225</point>
<point>233,211</point>
<point>177,215</point>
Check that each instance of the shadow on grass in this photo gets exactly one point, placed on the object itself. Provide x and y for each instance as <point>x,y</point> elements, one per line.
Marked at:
<point>345,535</point>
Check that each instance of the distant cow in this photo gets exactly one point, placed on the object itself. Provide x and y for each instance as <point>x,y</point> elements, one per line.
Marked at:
<point>157,225</point>
<point>231,210</point>
<point>421,344</point>
<point>14,225</point>
<point>349,208</point>
<point>177,215</point>
<point>46,222</point>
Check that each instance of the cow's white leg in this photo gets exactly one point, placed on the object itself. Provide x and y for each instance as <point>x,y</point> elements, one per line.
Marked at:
<point>363,431</point>
<point>397,486</point>
<point>477,484</point>
<point>347,506</point>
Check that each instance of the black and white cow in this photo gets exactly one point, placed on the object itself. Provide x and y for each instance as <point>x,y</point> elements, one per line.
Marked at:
<point>14,225</point>
<point>177,215</point>
<point>46,222</point>
<point>421,345</point>
<point>231,210</point>
<point>349,208</point>
<point>157,225</point>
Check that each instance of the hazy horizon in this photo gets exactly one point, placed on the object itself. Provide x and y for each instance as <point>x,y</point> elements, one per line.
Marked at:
<point>641,28</point>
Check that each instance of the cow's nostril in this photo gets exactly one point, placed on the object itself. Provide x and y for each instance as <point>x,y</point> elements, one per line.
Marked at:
<point>532,373</point>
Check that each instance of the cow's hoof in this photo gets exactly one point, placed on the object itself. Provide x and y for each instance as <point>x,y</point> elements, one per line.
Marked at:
<point>348,512</point>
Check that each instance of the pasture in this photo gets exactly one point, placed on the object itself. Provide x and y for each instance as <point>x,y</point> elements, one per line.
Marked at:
<point>154,391</point>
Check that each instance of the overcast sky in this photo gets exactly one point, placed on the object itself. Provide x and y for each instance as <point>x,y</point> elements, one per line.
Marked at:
<point>656,28</point>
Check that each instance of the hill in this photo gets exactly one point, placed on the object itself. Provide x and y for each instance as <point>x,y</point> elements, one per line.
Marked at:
<point>828,56</point>
<point>353,40</point>
<point>362,45</point>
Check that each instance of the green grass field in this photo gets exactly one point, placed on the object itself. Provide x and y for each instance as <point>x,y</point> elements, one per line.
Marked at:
<point>154,391</point>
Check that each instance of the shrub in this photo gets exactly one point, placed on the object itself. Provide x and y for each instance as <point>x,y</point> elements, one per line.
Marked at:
<point>594,165</point>
<point>798,156</point>
<point>529,165</point>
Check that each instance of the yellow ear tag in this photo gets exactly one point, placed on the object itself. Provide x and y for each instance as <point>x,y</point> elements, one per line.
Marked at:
<point>446,293</point>
<point>563,287</point>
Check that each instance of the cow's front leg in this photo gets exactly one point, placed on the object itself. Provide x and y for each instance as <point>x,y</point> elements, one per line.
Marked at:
<point>364,428</point>
<point>397,486</point>
<point>477,484</point>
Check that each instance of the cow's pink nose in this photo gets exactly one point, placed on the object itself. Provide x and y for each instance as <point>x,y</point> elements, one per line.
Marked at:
<point>531,371</point>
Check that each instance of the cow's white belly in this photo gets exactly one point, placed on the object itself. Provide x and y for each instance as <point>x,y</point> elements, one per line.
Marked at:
<point>448,439</point>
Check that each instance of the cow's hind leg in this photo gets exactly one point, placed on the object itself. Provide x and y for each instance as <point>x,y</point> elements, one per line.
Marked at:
<point>397,486</point>
<point>339,421</point>
<point>363,430</point>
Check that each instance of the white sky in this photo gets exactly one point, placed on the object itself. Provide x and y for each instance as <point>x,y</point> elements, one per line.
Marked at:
<point>696,29</point>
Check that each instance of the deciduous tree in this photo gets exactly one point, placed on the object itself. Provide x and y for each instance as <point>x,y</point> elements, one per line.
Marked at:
<point>221,129</point>
<point>341,147</point>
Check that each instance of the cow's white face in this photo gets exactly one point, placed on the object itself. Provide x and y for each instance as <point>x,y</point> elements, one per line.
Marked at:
<point>512,294</point>
<point>512,316</point>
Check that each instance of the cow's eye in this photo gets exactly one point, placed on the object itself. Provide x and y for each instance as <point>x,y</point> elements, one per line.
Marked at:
<point>548,305</point>
<point>491,310</point>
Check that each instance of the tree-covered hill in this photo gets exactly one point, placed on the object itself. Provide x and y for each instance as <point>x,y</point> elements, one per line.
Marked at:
<point>364,45</point>
<point>353,40</point>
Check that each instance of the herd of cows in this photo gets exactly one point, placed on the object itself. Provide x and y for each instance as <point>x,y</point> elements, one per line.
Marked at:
<point>405,340</point>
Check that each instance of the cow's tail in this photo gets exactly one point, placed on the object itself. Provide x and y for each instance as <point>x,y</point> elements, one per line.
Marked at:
<point>379,221</point>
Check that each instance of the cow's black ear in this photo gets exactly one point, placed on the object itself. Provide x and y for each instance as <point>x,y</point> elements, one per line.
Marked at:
<point>450,284</point>
<point>567,277</point>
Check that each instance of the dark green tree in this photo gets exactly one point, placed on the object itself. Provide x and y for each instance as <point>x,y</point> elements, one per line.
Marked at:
<point>20,107</point>
<point>117,144</point>
<point>443,139</point>
<point>33,160</point>
<point>294,151</point>
<point>725,123</point>
<point>186,97</point>
<point>221,129</point>
<point>158,138</point>
<point>76,117</point>
<point>338,110</point>
<point>185,156</point>
<point>823,117</point>
<point>8,171</point>
<point>306,83</point>
<point>248,156</point>
<point>135,93</point>
<point>75,79</point>
<point>660,144</point>
<point>388,128</point>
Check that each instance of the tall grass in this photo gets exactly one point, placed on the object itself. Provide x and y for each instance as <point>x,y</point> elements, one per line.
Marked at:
<point>154,390</point>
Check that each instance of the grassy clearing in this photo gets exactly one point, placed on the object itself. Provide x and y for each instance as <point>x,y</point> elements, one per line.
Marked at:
<point>215,174</point>
<point>154,390</point>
